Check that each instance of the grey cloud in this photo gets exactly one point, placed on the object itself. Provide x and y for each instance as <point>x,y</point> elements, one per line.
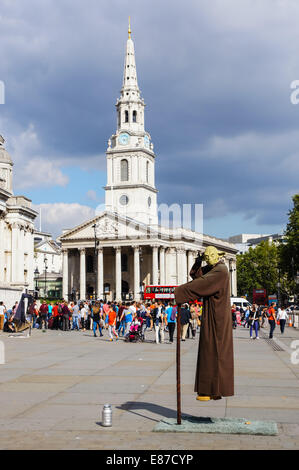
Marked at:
<point>215,76</point>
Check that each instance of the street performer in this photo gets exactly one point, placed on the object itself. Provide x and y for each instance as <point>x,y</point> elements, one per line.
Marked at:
<point>215,364</point>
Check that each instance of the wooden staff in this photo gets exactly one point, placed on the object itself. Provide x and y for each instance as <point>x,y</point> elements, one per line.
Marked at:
<point>178,366</point>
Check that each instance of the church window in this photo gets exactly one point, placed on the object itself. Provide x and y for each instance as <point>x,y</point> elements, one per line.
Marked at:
<point>124,200</point>
<point>126,116</point>
<point>124,170</point>
<point>134,116</point>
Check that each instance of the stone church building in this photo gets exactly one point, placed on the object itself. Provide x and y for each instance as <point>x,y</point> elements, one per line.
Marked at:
<point>124,248</point>
<point>16,236</point>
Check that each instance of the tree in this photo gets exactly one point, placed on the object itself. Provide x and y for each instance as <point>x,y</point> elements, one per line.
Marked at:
<point>258,269</point>
<point>289,249</point>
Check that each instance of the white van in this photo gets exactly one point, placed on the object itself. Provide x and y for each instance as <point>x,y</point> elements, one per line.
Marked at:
<point>240,302</point>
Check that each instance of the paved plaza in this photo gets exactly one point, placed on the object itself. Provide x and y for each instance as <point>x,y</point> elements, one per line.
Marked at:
<point>53,387</point>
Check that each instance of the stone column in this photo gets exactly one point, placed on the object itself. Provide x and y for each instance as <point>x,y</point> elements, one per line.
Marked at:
<point>21,255</point>
<point>30,265</point>
<point>14,253</point>
<point>100,273</point>
<point>2,249</point>
<point>233,277</point>
<point>136,273</point>
<point>191,259</point>
<point>118,287</point>
<point>65,274</point>
<point>182,266</point>
<point>162,265</point>
<point>155,265</point>
<point>82,273</point>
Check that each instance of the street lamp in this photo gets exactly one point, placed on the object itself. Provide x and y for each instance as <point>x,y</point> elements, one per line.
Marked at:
<point>36,274</point>
<point>96,244</point>
<point>46,267</point>
<point>278,287</point>
<point>140,271</point>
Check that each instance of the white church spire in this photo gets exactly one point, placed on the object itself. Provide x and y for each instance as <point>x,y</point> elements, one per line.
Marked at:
<point>130,83</point>
<point>130,188</point>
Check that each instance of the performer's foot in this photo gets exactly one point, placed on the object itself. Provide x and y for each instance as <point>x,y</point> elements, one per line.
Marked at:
<point>203,398</point>
<point>216,398</point>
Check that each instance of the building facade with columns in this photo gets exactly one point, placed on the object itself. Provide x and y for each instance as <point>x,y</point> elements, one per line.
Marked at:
<point>124,248</point>
<point>16,236</point>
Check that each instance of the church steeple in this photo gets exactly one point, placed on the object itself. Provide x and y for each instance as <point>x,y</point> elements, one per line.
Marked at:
<point>130,186</point>
<point>130,83</point>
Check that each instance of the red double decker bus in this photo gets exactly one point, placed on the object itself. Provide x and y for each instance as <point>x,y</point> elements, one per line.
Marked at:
<point>159,293</point>
<point>260,297</point>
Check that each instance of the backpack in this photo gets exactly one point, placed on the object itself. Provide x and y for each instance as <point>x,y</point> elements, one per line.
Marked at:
<point>173,313</point>
<point>59,308</point>
<point>31,309</point>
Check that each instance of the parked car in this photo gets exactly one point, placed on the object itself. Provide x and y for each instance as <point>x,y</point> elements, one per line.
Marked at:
<point>240,302</point>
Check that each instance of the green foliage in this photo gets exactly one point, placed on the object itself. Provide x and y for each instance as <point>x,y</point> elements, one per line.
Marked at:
<point>267,264</point>
<point>257,269</point>
<point>289,250</point>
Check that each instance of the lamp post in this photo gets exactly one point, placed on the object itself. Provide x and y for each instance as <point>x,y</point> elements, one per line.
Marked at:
<point>278,288</point>
<point>36,274</point>
<point>46,267</point>
<point>140,271</point>
<point>96,244</point>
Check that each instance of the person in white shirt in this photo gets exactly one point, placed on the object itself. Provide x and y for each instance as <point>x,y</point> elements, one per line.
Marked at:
<point>282,317</point>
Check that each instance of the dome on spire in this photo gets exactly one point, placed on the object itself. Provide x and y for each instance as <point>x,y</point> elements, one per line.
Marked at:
<point>4,155</point>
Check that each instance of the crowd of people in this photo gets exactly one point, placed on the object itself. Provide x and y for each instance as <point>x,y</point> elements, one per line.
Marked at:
<point>255,317</point>
<point>130,320</point>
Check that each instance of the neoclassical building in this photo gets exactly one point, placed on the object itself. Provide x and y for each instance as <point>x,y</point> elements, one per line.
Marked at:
<point>124,247</point>
<point>16,236</point>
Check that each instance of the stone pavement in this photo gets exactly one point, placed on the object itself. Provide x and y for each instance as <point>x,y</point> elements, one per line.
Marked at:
<point>53,387</point>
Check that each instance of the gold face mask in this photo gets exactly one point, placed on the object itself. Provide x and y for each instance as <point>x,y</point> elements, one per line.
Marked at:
<point>212,255</point>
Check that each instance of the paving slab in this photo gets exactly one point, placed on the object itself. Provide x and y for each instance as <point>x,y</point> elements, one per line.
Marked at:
<point>54,385</point>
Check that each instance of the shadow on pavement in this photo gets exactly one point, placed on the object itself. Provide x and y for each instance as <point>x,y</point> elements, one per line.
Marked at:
<point>159,410</point>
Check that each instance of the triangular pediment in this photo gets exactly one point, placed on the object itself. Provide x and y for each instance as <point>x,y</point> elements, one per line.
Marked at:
<point>47,247</point>
<point>107,226</point>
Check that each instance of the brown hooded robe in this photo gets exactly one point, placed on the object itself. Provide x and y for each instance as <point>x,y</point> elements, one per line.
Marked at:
<point>215,363</point>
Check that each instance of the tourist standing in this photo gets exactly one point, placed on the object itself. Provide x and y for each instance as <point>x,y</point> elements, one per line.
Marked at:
<point>253,320</point>
<point>112,324</point>
<point>2,315</point>
<point>96,317</point>
<point>185,320</point>
<point>75,317</point>
<point>65,317</point>
<point>272,319</point>
<point>43,313</point>
<point>282,317</point>
<point>171,311</point>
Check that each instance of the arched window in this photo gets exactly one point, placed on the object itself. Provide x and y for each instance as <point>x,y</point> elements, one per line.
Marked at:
<point>147,171</point>
<point>134,116</point>
<point>126,116</point>
<point>124,170</point>
<point>119,118</point>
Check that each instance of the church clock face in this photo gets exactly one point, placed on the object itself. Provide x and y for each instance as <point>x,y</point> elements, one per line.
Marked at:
<point>124,139</point>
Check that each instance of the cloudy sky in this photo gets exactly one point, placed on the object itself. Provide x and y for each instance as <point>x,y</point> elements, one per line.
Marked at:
<point>216,77</point>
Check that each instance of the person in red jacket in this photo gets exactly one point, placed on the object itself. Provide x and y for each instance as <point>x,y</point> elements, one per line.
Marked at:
<point>43,313</point>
